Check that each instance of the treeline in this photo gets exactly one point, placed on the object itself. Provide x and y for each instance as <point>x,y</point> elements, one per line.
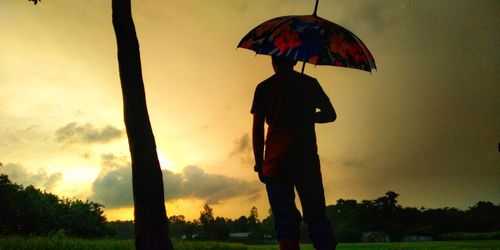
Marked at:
<point>381,219</point>
<point>385,217</point>
<point>30,211</point>
<point>209,227</point>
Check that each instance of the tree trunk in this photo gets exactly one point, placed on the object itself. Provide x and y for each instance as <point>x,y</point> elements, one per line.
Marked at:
<point>151,223</point>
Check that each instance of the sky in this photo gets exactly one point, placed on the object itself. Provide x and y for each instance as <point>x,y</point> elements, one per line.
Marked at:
<point>426,124</point>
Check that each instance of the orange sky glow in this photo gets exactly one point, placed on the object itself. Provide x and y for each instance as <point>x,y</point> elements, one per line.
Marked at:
<point>425,125</point>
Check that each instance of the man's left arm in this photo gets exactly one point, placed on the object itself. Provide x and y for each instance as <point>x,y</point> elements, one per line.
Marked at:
<point>326,111</point>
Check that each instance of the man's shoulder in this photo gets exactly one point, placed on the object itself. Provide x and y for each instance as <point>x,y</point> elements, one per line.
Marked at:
<point>304,77</point>
<point>266,82</point>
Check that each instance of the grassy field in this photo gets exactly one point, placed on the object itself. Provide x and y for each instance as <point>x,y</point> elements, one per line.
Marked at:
<point>41,243</point>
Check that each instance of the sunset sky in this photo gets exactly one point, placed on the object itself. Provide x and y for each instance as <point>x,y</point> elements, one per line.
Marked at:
<point>426,124</point>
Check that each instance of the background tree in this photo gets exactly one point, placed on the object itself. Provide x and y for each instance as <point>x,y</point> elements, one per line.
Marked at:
<point>219,229</point>
<point>240,224</point>
<point>178,226</point>
<point>207,219</point>
<point>254,224</point>
<point>253,219</point>
<point>30,211</point>
<point>268,225</point>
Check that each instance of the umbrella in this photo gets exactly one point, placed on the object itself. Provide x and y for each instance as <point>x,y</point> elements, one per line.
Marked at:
<point>310,39</point>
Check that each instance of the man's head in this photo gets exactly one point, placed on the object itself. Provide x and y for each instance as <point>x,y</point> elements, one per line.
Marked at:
<point>283,65</point>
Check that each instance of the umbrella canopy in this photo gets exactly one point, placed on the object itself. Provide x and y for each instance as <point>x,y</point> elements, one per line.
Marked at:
<point>309,39</point>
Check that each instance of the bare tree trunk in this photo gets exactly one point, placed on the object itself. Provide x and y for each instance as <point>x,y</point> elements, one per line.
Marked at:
<point>151,223</point>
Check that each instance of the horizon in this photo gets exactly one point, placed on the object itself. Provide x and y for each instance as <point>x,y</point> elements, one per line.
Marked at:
<point>260,214</point>
<point>425,124</point>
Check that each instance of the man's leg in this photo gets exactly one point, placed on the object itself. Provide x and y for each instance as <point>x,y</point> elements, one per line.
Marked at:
<point>286,216</point>
<point>310,189</point>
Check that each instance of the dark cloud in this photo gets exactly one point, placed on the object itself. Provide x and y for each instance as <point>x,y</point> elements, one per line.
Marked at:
<point>74,133</point>
<point>359,162</point>
<point>243,149</point>
<point>114,188</point>
<point>430,116</point>
<point>242,145</point>
<point>40,179</point>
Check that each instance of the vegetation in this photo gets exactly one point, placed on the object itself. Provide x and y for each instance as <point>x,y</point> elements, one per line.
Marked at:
<point>382,216</point>
<point>30,211</point>
<point>351,218</point>
<point>63,243</point>
<point>60,243</point>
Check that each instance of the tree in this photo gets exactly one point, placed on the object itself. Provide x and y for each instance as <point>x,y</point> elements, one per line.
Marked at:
<point>207,218</point>
<point>388,203</point>
<point>151,223</point>
<point>254,223</point>
<point>30,211</point>
<point>268,225</point>
<point>219,229</point>
<point>240,224</point>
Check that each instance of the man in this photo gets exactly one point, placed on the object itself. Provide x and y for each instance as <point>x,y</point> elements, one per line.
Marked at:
<point>288,102</point>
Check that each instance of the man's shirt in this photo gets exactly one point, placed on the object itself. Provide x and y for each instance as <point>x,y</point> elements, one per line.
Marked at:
<point>288,103</point>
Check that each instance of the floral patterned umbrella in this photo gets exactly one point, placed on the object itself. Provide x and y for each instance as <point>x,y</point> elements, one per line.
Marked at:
<point>309,39</point>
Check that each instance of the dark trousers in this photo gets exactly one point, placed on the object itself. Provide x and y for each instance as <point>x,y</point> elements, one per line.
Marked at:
<point>304,174</point>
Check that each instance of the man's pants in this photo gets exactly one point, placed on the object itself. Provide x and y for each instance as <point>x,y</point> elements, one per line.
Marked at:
<point>307,181</point>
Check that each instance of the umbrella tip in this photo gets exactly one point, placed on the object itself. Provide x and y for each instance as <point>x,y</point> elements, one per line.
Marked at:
<point>315,8</point>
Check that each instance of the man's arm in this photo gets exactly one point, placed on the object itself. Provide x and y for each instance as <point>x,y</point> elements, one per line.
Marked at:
<point>258,141</point>
<point>326,113</point>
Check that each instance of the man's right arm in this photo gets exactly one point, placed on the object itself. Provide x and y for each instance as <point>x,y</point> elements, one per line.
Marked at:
<point>258,141</point>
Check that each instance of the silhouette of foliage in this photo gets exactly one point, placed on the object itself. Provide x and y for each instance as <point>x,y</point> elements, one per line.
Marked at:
<point>30,211</point>
<point>350,219</point>
<point>384,215</point>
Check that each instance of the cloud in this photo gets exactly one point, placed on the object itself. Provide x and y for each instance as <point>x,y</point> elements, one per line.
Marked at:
<point>196,183</point>
<point>359,162</point>
<point>113,187</point>
<point>243,149</point>
<point>20,175</point>
<point>242,145</point>
<point>74,133</point>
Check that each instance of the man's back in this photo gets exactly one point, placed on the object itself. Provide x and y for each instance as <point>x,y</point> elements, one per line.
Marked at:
<point>289,102</point>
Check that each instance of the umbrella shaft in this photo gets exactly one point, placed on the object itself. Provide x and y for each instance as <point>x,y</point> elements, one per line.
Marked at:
<point>315,8</point>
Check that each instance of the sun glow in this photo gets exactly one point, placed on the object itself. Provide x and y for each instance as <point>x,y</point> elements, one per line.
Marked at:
<point>165,163</point>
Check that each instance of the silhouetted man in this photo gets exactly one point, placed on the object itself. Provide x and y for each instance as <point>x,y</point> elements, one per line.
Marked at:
<point>288,102</point>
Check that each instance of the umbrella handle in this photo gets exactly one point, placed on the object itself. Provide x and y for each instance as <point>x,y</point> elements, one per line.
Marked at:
<point>315,8</point>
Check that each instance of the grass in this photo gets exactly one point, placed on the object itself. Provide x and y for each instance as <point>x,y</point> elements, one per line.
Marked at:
<point>56,243</point>
<point>431,245</point>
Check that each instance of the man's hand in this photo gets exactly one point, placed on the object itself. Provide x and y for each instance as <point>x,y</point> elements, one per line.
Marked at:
<point>258,168</point>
